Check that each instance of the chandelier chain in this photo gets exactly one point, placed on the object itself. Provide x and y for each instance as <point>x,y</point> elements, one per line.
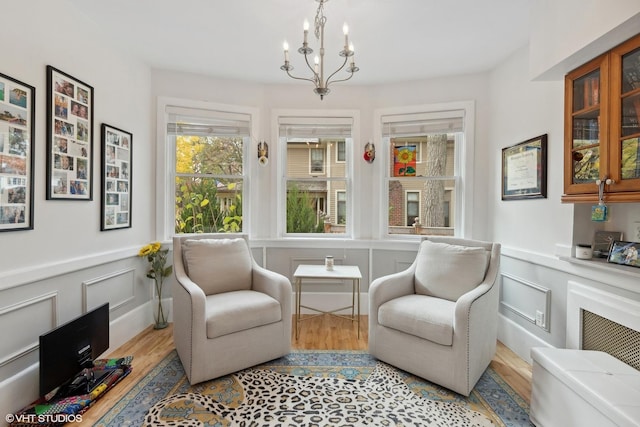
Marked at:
<point>320,19</point>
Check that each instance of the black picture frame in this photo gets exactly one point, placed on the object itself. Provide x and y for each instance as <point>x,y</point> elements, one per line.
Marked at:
<point>625,253</point>
<point>69,137</point>
<point>117,172</point>
<point>17,142</point>
<point>524,169</point>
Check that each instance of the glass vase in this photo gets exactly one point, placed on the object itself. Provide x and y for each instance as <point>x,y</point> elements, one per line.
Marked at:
<point>161,307</point>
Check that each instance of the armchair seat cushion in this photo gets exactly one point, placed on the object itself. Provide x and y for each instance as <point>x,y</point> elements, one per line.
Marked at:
<point>236,311</point>
<point>426,317</point>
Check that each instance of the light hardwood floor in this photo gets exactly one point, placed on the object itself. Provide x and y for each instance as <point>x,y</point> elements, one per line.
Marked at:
<point>319,333</point>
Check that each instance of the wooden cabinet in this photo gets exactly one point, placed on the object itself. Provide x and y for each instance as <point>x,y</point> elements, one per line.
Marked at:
<point>602,127</point>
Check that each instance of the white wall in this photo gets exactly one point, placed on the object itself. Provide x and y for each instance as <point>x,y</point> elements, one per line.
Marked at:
<point>66,265</point>
<point>568,33</point>
<point>538,234</point>
<point>520,110</point>
<point>66,230</point>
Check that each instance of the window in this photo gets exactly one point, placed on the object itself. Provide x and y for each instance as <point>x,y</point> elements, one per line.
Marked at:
<point>208,172</point>
<point>341,153</point>
<point>315,184</point>
<point>413,207</point>
<point>316,161</point>
<point>423,158</point>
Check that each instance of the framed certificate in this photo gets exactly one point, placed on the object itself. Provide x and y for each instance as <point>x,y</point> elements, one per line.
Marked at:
<point>524,170</point>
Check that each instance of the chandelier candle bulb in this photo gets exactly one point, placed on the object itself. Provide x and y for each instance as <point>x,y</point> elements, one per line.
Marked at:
<point>305,26</point>
<point>345,30</point>
<point>285,45</point>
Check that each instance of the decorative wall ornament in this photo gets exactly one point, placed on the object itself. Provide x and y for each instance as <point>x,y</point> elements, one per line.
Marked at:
<point>263,153</point>
<point>369,152</point>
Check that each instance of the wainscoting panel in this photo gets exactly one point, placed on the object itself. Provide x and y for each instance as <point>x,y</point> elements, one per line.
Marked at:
<point>31,318</point>
<point>528,300</point>
<point>384,262</point>
<point>117,288</point>
<point>286,260</point>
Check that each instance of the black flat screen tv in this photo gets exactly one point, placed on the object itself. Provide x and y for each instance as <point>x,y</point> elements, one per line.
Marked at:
<point>66,350</point>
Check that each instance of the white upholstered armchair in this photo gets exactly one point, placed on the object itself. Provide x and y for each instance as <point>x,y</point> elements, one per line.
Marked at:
<point>229,313</point>
<point>438,318</point>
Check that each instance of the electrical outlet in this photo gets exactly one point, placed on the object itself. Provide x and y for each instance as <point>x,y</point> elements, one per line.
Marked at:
<point>539,318</point>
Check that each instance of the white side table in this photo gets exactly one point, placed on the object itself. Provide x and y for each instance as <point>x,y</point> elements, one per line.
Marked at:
<point>340,272</point>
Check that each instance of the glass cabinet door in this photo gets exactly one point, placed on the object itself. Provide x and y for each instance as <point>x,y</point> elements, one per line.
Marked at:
<point>625,132</point>
<point>586,128</point>
<point>586,133</point>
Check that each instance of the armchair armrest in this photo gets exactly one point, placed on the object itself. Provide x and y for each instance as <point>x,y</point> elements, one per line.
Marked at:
<point>476,316</point>
<point>389,287</point>
<point>275,285</point>
<point>189,298</point>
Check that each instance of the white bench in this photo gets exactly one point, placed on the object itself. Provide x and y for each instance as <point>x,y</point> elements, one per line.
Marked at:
<point>583,388</point>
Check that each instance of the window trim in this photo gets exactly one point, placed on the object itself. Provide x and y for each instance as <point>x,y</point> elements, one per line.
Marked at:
<point>463,165</point>
<point>165,160</point>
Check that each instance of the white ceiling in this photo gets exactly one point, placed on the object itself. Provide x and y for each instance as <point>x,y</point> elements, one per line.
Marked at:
<point>394,40</point>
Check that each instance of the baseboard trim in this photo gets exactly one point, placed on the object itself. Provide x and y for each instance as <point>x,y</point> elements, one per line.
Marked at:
<point>518,339</point>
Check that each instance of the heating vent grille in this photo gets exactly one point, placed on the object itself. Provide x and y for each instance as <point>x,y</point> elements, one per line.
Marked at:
<point>602,334</point>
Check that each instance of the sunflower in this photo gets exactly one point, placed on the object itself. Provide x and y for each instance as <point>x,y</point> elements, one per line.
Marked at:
<point>405,155</point>
<point>146,250</point>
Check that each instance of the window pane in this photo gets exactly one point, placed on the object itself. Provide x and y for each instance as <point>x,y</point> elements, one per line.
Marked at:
<point>205,205</point>
<point>436,214</point>
<point>413,160</point>
<point>209,155</point>
<point>316,182</point>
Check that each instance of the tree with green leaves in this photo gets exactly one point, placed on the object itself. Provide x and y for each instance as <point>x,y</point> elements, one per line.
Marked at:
<point>301,215</point>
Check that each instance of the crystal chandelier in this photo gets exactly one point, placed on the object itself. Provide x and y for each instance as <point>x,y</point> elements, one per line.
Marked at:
<point>317,77</point>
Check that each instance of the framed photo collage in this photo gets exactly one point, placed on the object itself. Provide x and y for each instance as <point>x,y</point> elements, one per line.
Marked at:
<point>69,152</point>
<point>17,134</point>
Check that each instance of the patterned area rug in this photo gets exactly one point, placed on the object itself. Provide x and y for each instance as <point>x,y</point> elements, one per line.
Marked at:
<point>273,399</point>
<point>175,402</point>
